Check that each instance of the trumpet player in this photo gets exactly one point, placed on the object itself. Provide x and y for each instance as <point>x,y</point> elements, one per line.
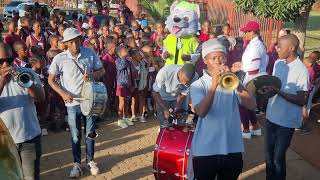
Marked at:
<point>18,112</point>
<point>217,144</point>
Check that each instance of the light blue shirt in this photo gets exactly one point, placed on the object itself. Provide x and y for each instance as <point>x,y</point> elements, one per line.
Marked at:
<point>167,83</point>
<point>18,112</point>
<point>219,132</point>
<point>71,77</point>
<point>294,77</point>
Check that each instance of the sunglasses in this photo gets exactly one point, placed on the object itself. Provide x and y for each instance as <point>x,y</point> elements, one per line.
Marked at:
<point>7,60</point>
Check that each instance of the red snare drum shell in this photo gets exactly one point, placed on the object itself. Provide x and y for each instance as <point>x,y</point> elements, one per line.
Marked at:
<point>171,153</point>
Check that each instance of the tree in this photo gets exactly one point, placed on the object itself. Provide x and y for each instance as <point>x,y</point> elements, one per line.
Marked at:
<point>287,10</point>
<point>158,10</point>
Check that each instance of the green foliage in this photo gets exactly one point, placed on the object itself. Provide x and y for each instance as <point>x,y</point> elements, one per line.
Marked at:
<point>158,10</point>
<point>286,10</point>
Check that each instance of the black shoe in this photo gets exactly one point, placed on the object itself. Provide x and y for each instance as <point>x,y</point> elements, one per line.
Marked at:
<point>145,114</point>
<point>305,130</point>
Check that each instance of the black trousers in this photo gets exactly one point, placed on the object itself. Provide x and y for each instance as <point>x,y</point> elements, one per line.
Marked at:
<point>224,167</point>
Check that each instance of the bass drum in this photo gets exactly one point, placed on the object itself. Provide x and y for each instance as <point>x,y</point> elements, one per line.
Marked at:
<point>95,97</point>
<point>171,153</point>
<point>10,164</point>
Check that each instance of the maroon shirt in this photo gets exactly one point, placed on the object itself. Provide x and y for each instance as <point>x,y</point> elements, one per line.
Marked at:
<point>37,42</point>
<point>10,39</point>
<point>109,64</point>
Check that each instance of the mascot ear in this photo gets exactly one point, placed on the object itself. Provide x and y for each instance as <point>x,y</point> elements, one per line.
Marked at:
<point>174,4</point>
<point>198,10</point>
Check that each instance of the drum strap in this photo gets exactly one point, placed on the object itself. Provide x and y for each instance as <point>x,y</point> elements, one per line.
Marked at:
<point>81,70</point>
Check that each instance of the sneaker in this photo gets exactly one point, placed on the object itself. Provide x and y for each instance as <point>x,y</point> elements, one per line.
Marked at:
<point>44,132</point>
<point>133,118</point>
<point>92,166</point>
<point>145,114</point>
<point>258,112</point>
<point>257,132</point>
<point>305,129</point>
<point>75,171</point>
<point>128,121</point>
<point>318,120</point>
<point>142,119</point>
<point>122,123</point>
<point>246,135</point>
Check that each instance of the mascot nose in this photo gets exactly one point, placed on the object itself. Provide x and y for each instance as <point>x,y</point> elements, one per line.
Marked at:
<point>176,19</point>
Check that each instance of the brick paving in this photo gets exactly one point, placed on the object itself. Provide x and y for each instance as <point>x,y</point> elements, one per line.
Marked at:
<point>127,154</point>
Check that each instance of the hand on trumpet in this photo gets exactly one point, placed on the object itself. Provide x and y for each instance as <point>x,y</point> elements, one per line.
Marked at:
<point>5,73</point>
<point>217,72</point>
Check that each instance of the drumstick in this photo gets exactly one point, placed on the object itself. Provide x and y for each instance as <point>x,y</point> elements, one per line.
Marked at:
<point>80,99</point>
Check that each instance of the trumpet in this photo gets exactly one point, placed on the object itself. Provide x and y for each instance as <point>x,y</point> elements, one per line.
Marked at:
<point>24,78</point>
<point>229,81</point>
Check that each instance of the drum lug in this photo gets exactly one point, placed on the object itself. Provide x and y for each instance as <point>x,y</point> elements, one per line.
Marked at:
<point>179,150</point>
<point>162,172</point>
<point>163,148</point>
<point>156,147</point>
<point>155,171</point>
<point>188,151</point>
<point>177,174</point>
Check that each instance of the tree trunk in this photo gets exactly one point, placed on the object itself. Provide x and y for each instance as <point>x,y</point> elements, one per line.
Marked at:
<point>301,23</point>
<point>99,6</point>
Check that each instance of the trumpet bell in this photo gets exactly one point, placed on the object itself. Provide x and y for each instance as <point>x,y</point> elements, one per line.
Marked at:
<point>10,166</point>
<point>229,81</point>
<point>25,79</point>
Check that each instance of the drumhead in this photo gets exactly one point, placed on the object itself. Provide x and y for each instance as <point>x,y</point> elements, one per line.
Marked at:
<point>87,93</point>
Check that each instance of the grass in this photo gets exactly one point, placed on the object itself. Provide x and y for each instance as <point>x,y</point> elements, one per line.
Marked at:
<point>313,32</point>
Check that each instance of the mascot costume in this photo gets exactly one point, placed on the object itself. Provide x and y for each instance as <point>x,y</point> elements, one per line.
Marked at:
<point>180,46</point>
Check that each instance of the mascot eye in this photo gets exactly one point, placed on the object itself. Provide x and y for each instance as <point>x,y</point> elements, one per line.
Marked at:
<point>186,18</point>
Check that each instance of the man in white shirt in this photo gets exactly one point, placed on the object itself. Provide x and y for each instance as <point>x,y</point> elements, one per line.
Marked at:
<point>73,67</point>
<point>171,88</point>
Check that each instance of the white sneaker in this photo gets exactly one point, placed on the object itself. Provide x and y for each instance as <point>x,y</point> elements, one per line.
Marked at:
<point>257,132</point>
<point>246,135</point>
<point>318,120</point>
<point>122,123</point>
<point>75,171</point>
<point>128,122</point>
<point>133,118</point>
<point>142,119</point>
<point>92,166</point>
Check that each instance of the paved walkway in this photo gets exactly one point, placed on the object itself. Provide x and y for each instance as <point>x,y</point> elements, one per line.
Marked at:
<point>127,154</point>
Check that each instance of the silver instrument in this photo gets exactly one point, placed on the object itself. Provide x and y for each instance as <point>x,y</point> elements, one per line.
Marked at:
<point>24,78</point>
<point>93,98</point>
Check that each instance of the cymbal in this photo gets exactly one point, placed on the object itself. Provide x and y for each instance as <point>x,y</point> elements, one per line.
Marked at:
<point>259,82</point>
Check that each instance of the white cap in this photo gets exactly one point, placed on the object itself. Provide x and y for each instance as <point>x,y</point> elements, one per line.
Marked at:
<point>69,34</point>
<point>212,45</point>
<point>85,26</point>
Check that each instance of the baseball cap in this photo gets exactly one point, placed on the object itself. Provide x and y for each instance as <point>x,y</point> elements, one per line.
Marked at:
<point>251,26</point>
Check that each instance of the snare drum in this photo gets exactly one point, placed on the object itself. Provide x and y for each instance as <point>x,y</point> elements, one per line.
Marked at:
<point>95,98</point>
<point>171,153</point>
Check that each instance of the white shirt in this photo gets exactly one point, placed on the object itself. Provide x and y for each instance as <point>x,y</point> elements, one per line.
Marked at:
<point>255,56</point>
<point>71,77</point>
<point>167,83</point>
